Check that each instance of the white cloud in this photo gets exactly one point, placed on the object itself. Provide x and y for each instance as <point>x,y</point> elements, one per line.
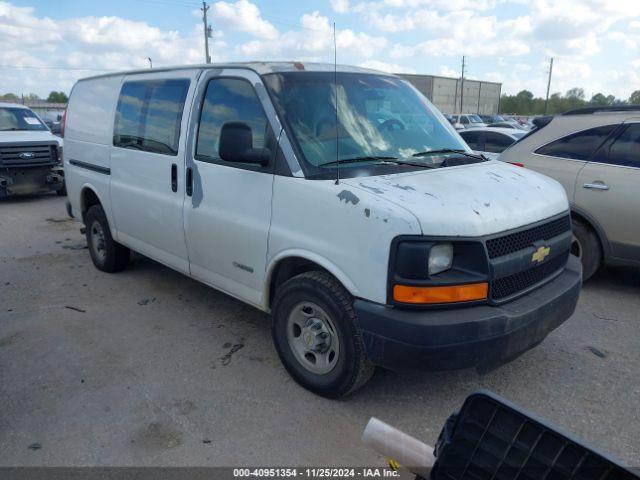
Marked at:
<point>314,42</point>
<point>595,42</point>
<point>386,67</point>
<point>91,43</point>
<point>243,16</point>
<point>340,6</point>
<point>448,72</point>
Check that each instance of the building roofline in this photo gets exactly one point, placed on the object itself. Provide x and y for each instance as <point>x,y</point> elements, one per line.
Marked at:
<point>446,78</point>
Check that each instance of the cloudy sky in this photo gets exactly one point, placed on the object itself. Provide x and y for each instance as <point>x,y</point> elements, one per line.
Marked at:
<point>46,45</point>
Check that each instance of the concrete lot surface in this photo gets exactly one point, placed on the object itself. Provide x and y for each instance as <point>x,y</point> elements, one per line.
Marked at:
<point>148,367</point>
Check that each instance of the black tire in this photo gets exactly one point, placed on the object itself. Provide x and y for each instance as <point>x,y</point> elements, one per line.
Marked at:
<point>111,256</point>
<point>586,246</point>
<point>62,192</point>
<point>352,368</point>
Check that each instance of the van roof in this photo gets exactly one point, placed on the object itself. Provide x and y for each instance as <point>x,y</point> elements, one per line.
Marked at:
<point>260,68</point>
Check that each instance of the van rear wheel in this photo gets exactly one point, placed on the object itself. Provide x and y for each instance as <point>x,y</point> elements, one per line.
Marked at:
<point>316,335</point>
<point>107,254</point>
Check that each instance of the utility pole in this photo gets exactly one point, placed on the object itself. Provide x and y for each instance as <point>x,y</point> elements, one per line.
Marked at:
<point>462,86</point>
<point>546,102</point>
<point>207,32</point>
<point>150,62</point>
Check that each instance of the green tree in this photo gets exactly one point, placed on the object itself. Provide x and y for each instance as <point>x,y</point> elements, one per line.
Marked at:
<point>576,92</point>
<point>57,97</point>
<point>9,97</point>
<point>634,99</point>
<point>599,99</point>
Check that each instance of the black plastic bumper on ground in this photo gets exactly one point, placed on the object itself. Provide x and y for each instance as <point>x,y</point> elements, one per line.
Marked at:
<point>483,336</point>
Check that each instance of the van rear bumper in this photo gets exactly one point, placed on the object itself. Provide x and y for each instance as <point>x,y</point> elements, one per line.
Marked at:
<point>483,337</point>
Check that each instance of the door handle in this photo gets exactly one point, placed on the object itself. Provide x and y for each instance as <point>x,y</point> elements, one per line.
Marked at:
<point>189,186</point>
<point>174,177</point>
<point>596,186</point>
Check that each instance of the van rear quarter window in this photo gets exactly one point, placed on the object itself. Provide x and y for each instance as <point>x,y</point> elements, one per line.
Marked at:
<point>149,114</point>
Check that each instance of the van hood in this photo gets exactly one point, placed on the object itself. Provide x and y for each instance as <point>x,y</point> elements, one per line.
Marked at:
<point>26,136</point>
<point>470,200</point>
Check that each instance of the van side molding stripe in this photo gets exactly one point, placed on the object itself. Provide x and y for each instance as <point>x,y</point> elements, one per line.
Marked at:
<point>91,166</point>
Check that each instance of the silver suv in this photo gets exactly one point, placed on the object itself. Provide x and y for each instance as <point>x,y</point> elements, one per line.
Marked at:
<point>594,153</point>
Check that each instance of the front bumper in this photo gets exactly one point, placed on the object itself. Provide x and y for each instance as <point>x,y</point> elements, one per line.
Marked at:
<point>30,180</point>
<point>483,337</point>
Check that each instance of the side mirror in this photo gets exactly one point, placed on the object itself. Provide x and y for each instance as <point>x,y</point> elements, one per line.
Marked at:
<point>236,145</point>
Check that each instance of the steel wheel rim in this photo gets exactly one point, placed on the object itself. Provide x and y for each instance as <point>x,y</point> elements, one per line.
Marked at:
<point>576,247</point>
<point>98,243</point>
<point>313,338</point>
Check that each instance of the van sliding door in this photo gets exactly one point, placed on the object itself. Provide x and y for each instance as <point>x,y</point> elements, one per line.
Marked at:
<point>147,164</point>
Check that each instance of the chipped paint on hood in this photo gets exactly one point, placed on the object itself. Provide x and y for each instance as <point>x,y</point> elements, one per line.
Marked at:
<point>470,200</point>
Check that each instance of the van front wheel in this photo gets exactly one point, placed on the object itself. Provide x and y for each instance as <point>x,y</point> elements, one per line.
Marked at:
<point>107,255</point>
<point>316,336</point>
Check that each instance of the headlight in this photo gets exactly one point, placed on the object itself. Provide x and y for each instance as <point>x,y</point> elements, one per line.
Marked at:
<point>440,258</point>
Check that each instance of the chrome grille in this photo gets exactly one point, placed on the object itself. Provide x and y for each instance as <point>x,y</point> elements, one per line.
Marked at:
<point>16,155</point>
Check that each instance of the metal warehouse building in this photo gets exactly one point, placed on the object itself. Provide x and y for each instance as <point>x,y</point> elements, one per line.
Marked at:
<point>451,95</point>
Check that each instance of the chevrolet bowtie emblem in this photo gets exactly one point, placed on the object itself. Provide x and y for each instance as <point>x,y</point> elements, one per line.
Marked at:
<point>540,254</point>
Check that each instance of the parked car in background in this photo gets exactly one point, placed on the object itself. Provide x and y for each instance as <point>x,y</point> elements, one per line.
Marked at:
<point>54,126</point>
<point>490,141</point>
<point>30,155</point>
<point>369,242</point>
<point>594,153</point>
<point>467,120</point>
<point>489,119</point>
<point>449,118</point>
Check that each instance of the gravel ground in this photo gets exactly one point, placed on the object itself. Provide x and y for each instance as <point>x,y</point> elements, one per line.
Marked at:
<point>148,367</point>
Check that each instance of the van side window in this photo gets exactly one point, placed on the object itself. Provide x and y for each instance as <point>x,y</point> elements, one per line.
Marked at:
<point>149,114</point>
<point>229,100</point>
<point>577,146</point>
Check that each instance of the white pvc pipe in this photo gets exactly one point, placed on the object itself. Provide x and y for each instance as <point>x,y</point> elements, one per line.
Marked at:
<point>390,442</point>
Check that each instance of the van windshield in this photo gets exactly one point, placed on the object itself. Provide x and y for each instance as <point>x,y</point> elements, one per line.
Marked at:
<point>379,118</point>
<point>12,119</point>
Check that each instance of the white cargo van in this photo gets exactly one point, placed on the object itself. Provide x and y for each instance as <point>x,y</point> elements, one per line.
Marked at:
<point>342,203</point>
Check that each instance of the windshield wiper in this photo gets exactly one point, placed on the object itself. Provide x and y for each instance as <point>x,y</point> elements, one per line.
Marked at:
<point>359,159</point>
<point>393,160</point>
<point>445,151</point>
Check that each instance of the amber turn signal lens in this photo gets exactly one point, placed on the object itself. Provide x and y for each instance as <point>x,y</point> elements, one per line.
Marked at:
<point>448,294</point>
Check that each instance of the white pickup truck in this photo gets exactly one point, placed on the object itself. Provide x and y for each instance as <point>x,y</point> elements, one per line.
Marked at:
<point>341,202</point>
<point>30,155</point>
